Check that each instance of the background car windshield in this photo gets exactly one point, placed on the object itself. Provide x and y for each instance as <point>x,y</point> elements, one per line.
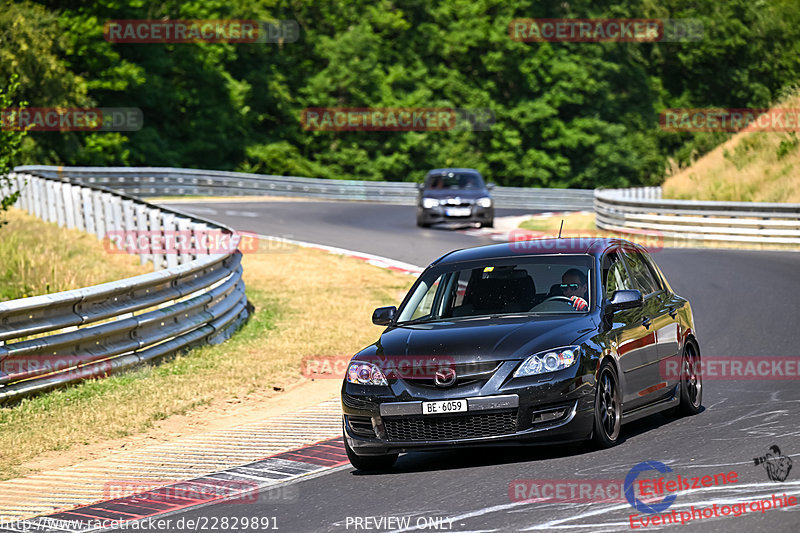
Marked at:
<point>532,285</point>
<point>455,181</point>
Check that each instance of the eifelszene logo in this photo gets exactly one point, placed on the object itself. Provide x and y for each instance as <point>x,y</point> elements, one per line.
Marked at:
<point>639,505</point>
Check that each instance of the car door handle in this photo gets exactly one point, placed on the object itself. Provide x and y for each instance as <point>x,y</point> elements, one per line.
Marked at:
<point>646,322</point>
<point>673,313</point>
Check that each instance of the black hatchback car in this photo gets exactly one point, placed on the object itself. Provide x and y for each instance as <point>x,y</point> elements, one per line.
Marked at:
<point>545,341</point>
<point>454,195</point>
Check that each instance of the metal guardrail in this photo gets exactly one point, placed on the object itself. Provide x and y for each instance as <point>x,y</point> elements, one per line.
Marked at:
<point>145,182</point>
<point>196,296</point>
<point>643,209</point>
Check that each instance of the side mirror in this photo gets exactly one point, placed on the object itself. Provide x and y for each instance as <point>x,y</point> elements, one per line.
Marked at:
<point>382,316</point>
<point>420,186</point>
<point>624,299</point>
<point>489,186</point>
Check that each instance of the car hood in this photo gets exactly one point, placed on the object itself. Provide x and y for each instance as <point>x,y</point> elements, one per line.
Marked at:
<point>481,339</point>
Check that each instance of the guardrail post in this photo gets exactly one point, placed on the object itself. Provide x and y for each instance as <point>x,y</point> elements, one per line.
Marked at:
<point>117,218</point>
<point>36,196</point>
<point>23,191</point>
<point>69,206</point>
<point>77,204</point>
<point>156,238</point>
<point>99,214</point>
<point>88,211</point>
<point>201,238</point>
<point>108,213</point>
<point>59,199</point>
<point>52,212</point>
<point>169,232</point>
<point>128,223</point>
<point>142,231</point>
<point>184,242</point>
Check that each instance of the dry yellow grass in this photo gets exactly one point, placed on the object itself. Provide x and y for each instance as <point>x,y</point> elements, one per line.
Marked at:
<point>40,258</point>
<point>308,303</point>
<point>750,166</point>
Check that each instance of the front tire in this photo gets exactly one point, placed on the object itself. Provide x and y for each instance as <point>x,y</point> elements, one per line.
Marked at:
<point>691,381</point>
<point>369,463</point>
<point>607,408</point>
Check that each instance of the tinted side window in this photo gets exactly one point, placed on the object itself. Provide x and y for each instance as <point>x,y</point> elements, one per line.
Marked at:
<point>641,272</point>
<point>615,276</point>
<point>654,271</point>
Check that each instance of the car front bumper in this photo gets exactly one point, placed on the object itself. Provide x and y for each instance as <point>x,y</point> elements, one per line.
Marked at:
<point>544,412</point>
<point>474,213</point>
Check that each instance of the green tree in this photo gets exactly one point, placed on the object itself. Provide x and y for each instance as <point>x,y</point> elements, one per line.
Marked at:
<point>10,140</point>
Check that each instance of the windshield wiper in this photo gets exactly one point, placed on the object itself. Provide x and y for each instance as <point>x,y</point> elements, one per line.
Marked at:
<point>420,320</point>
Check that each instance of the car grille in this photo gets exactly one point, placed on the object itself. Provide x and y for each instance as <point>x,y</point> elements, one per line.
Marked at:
<point>432,428</point>
<point>466,373</point>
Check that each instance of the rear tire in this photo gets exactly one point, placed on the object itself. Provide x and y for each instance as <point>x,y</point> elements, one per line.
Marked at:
<point>607,408</point>
<point>369,463</point>
<point>691,381</point>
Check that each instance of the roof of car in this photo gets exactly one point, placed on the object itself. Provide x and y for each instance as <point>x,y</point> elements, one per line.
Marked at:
<point>548,246</point>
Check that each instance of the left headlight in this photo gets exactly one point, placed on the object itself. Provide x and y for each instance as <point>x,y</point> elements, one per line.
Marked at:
<point>362,373</point>
<point>549,361</point>
<point>484,201</point>
<point>427,203</point>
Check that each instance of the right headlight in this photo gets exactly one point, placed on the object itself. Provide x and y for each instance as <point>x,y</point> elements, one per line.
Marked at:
<point>484,201</point>
<point>549,361</point>
<point>362,373</point>
<point>427,203</point>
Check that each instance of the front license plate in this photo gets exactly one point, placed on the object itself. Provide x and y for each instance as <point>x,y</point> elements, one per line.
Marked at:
<point>446,406</point>
<point>457,211</point>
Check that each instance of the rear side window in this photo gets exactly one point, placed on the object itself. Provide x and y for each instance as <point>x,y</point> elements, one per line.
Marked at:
<point>641,271</point>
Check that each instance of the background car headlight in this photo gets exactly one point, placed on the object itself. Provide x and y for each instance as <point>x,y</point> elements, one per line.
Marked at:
<point>549,361</point>
<point>365,374</point>
<point>484,201</point>
<point>427,203</point>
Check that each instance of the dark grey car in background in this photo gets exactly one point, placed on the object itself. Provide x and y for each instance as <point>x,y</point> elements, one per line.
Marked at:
<point>454,195</point>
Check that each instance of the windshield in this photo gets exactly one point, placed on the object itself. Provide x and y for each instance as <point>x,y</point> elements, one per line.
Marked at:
<point>530,285</point>
<point>455,180</point>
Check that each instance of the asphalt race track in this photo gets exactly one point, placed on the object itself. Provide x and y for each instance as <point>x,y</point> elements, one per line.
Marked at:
<point>745,304</point>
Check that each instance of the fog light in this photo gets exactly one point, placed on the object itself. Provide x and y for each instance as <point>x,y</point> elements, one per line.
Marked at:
<point>548,415</point>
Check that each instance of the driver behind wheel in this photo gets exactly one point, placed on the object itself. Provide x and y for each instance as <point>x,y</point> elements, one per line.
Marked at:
<point>574,286</point>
